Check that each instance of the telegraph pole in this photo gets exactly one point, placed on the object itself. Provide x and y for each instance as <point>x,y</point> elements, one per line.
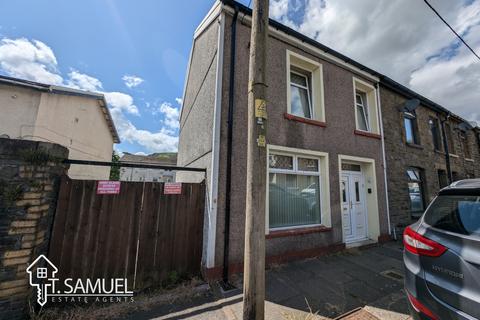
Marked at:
<point>254,256</point>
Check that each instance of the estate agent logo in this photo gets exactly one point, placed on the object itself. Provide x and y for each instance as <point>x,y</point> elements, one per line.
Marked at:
<point>39,276</point>
<point>42,276</point>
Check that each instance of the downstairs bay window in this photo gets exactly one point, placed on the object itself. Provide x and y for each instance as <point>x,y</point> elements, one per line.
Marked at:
<point>297,190</point>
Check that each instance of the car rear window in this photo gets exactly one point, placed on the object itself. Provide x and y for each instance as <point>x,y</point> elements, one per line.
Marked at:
<point>455,213</point>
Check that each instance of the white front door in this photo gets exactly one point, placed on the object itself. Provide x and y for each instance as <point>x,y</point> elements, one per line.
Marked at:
<point>354,215</point>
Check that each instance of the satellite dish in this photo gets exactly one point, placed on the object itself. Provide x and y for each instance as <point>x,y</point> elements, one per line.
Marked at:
<point>411,105</point>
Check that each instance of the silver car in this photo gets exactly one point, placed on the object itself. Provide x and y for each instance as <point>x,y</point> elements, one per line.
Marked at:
<point>442,255</point>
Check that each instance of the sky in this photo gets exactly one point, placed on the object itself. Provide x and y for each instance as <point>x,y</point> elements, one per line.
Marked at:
<point>136,52</point>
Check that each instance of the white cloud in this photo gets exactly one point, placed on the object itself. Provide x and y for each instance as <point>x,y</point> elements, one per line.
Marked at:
<point>132,81</point>
<point>399,38</point>
<point>32,60</point>
<point>179,101</point>
<point>278,8</point>
<point>121,101</point>
<point>171,115</point>
<point>82,81</point>
<point>160,141</point>
<point>455,81</point>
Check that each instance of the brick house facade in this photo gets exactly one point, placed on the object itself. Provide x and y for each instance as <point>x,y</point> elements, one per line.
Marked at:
<point>331,155</point>
<point>423,153</point>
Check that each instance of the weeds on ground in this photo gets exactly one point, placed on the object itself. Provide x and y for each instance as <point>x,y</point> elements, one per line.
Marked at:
<point>301,316</point>
<point>144,301</point>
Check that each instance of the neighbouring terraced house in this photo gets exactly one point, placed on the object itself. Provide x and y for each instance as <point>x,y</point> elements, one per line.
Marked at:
<point>76,119</point>
<point>352,155</point>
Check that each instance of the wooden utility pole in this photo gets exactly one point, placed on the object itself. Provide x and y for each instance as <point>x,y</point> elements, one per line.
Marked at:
<point>254,256</point>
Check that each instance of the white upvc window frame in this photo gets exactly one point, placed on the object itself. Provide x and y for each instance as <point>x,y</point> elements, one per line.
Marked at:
<point>307,87</point>
<point>315,70</point>
<point>364,106</point>
<point>370,92</point>
<point>323,180</point>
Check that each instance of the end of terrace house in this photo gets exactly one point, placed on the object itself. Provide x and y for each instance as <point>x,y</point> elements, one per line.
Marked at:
<point>347,163</point>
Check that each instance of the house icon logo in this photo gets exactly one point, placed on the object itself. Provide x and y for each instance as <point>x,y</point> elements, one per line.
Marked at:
<point>42,275</point>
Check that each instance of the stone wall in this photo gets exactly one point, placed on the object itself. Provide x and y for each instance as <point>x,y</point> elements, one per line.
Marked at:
<point>29,178</point>
<point>401,155</point>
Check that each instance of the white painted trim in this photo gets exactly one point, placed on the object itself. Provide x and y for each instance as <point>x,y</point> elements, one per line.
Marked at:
<point>314,50</point>
<point>212,14</point>
<point>355,159</point>
<point>375,209</point>
<point>297,151</point>
<point>212,212</point>
<point>363,197</point>
<point>317,95</point>
<point>324,164</point>
<point>384,159</point>
<point>371,114</point>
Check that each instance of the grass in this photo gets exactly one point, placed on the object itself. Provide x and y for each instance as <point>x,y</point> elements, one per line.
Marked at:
<point>301,315</point>
<point>183,291</point>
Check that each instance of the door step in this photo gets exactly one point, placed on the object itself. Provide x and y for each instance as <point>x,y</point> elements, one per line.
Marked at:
<point>361,243</point>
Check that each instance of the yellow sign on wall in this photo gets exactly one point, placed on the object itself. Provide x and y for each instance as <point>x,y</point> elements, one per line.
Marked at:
<point>260,108</point>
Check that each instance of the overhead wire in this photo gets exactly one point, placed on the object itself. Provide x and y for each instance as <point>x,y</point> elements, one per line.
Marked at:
<point>453,30</point>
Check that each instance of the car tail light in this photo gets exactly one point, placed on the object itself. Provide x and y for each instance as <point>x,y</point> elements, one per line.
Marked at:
<point>418,244</point>
<point>421,308</point>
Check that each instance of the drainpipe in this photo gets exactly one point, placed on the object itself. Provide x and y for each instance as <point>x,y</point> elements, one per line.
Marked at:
<point>231,96</point>
<point>379,103</point>
<point>447,153</point>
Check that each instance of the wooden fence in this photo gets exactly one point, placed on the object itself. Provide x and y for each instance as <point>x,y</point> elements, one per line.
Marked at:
<point>139,234</point>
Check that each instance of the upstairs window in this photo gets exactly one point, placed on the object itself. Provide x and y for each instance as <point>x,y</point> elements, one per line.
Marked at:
<point>365,103</point>
<point>409,121</point>
<point>304,87</point>
<point>362,110</point>
<point>300,94</point>
<point>434,130</point>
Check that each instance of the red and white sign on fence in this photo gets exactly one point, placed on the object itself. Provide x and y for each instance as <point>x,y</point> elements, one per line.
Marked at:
<point>172,188</point>
<point>108,187</point>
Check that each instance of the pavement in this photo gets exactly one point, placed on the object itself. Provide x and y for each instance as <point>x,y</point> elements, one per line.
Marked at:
<point>362,283</point>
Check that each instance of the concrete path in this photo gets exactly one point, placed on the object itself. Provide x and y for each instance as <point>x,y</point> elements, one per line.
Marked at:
<point>370,280</point>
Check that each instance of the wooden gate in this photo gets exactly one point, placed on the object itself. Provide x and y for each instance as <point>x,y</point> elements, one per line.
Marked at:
<point>139,234</point>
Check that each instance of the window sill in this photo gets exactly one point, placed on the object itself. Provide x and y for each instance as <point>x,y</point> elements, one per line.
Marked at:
<point>296,232</point>
<point>367,134</point>
<point>304,120</point>
<point>414,145</point>
<point>470,160</point>
<point>453,155</point>
<point>440,152</point>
